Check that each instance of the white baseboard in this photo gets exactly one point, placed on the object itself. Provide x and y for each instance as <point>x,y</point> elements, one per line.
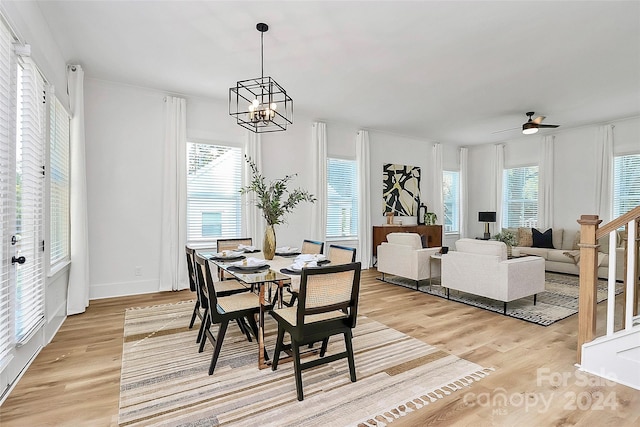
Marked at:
<point>121,289</point>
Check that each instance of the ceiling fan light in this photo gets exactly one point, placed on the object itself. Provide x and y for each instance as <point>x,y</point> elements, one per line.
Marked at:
<point>529,128</point>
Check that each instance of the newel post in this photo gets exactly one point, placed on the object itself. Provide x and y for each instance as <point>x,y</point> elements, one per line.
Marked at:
<point>587,302</point>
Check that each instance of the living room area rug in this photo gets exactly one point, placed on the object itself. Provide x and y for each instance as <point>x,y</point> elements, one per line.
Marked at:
<point>165,381</point>
<point>557,302</point>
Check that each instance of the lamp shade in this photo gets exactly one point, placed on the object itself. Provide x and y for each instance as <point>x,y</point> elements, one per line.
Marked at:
<point>486,217</point>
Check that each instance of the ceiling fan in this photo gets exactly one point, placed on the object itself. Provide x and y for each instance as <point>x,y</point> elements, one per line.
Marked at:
<point>533,125</point>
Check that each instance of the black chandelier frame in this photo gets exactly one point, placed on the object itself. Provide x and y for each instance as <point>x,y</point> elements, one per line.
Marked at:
<point>274,109</point>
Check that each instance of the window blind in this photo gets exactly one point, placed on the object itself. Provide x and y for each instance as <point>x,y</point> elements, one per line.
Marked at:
<point>451,199</point>
<point>626,183</point>
<point>58,182</point>
<point>214,179</point>
<point>520,197</point>
<point>7,192</point>
<point>29,190</point>
<point>342,198</point>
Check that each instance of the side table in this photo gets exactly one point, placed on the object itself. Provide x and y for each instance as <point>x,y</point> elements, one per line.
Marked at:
<point>437,259</point>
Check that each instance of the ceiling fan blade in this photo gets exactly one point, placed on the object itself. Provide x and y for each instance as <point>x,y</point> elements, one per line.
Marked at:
<point>538,119</point>
<point>548,126</point>
<point>504,130</point>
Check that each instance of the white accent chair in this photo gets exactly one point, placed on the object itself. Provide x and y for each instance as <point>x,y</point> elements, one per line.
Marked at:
<point>403,255</point>
<point>481,267</point>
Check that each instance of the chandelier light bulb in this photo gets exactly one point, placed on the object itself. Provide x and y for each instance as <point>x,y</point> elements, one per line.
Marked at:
<point>255,103</point>
<point>273,105</point>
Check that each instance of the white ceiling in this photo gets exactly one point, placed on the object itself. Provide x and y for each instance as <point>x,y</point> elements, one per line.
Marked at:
<point>449,71</point>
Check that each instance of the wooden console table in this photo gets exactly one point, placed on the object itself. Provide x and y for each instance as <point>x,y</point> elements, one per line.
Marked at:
<point>432,233</point>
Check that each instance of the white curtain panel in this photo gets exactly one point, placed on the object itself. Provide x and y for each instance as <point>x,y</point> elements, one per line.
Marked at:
<point>319,210</point>
<point>78,289</point>
<point>255,224</point>
<point>173,234</point>
<point>545,185</point>
<point>365,239</point>
<point>436,180</point>
<point>464,191</point>
<point>498,169</point>
<point>604,172</point>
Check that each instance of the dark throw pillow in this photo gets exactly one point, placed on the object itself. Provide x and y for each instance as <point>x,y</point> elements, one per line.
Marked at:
<point>542,240</point>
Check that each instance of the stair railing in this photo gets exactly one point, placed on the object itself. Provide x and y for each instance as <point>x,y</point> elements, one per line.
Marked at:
<point>590,233</point>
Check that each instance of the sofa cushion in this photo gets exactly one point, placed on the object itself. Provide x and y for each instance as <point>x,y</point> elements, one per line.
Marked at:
<point>556,237</point>
<point>542,240</point>
<point>559,256</point>
<point>408,239</point>
<point>525,237</point>
<point>541,252</point>
<point>568,239</point>
<point>482,247</point>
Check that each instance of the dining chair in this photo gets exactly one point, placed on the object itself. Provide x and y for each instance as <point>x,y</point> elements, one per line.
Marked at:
<point>230,245</point>
<point>312,247</point>
<point>222,309</point>
<point>341,254</point>
<point>192,285</point>
<point>327,306</point>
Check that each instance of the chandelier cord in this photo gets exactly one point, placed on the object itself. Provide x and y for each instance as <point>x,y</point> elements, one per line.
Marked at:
<point>262,54</point>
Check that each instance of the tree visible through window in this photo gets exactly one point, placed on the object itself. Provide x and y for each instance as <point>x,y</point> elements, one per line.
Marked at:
<point>214,179</point>
<point>520,197</point>
<point>342,198</point>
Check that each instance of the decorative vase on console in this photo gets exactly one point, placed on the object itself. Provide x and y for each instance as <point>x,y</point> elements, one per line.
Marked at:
<point>508,238</point>
<point>273,203</point>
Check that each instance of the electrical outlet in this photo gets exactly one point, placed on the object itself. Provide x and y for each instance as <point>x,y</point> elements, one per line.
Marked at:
<point>138,271</point>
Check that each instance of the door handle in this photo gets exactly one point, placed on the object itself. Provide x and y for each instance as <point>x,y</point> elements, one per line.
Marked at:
<point>19,260</point>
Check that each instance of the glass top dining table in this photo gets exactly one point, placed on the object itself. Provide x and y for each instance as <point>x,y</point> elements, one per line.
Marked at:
<point>262,280</point>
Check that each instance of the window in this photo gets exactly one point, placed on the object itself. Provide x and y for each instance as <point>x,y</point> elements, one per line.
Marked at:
<point>211,224</point>
<point>626,183</point>
<point>58,183</point>
<point>214,179</point>
<point>451,199</point>
<point>520,197</point>
<point>342,198</point>
<point>29,190</point>
<point>7,193</point>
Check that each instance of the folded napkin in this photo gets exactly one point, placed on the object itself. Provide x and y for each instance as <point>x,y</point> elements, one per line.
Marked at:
<point>311,257</point>
<point>286,250</point>
<point>250,262</point>
<point>227,254</point>
<point>299,265</point>
<point>246,248</point>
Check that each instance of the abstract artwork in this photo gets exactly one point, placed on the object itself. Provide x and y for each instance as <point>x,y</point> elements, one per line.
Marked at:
<point>400,189</point>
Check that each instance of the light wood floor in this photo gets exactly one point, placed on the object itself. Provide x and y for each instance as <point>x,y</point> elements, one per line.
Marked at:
<point>75,379</point>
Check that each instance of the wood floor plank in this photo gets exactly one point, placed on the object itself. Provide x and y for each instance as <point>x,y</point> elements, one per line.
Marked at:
<point>75,380</point>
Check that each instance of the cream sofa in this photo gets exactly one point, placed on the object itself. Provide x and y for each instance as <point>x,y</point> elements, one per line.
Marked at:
<point>481,267</point>
<point>564,256</point>
<point>403,255</point>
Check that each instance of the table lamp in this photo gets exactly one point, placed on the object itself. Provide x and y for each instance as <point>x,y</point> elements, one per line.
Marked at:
<point>486,217</point>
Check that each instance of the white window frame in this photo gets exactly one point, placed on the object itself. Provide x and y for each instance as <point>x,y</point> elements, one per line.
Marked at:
<point>332,200</point>
<point>194,213</point>
<point>59,197</point>
<point>630,195</point>
<point>456,203</point>
<point>530,221</point>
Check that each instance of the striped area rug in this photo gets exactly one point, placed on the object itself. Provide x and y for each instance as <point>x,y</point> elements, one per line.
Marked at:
<point>164,380</point>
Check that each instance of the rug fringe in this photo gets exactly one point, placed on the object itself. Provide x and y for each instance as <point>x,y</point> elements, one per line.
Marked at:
<point>417,403</point>
<point>160,305</point>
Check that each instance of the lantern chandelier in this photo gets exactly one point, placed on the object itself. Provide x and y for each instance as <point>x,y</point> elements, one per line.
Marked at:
<point>261,105</point>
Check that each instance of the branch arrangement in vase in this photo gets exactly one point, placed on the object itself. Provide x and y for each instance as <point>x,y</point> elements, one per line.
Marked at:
<point>275,200</point>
